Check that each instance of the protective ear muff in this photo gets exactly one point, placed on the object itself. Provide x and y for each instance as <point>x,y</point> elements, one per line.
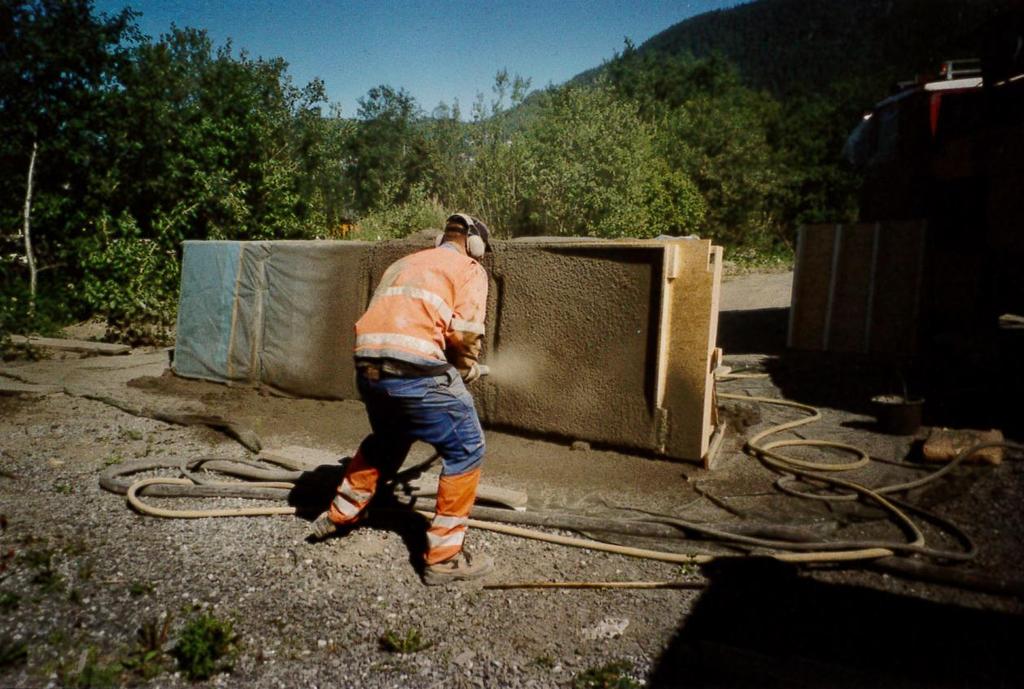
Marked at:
<point>439,240</point>
<point>475,246</point>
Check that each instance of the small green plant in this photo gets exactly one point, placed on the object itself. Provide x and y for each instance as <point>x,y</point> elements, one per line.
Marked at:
<point>37,558</point>
<point>9,601</point>
<point>614,675</point>
<point>132,434</point>
<point>76,547</point>
<point>45,577</point>
<point>138,589</point>
<point>752,258</point>
<point>545,662</point>
<point>62,489</point>
<point>149,658</point>
<point>6,559</point>
<point>13,653</point>
<point>410,642</point>
<point>89,671</point>
<point>113,459</point>
<point>86,570</point>
<point>206,646</point>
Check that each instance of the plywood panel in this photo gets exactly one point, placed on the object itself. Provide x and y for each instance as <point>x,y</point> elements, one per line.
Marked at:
<point>811,284</point>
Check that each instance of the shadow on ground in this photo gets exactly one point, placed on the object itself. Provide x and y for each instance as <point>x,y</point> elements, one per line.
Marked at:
<point>957,392</point>
<point>969,381</point>
<point>759,331</point>
<point>315,489</point>
<point>761,624</point>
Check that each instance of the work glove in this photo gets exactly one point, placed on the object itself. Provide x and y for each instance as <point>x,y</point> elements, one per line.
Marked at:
<point>471,374</point>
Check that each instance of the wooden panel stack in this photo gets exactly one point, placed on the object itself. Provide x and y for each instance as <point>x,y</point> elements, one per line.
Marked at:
<point>857,288</point>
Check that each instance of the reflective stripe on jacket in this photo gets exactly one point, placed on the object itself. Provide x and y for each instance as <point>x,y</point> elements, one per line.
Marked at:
<point>428,309</point>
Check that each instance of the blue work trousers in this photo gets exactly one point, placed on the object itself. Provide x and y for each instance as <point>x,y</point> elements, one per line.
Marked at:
<point>437,410</point>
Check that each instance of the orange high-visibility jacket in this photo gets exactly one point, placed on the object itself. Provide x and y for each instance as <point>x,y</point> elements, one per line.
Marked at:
<point>429,308</point>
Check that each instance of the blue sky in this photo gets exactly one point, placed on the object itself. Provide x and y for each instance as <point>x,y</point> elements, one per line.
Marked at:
<point>438,50</point>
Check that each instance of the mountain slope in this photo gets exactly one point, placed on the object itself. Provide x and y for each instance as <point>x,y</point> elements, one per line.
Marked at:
<point>799,46</point>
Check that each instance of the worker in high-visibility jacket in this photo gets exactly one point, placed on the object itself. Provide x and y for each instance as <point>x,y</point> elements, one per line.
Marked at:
<point>416,346</point>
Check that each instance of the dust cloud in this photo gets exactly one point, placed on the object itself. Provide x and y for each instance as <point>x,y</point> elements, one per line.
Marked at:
<point>515,368</point>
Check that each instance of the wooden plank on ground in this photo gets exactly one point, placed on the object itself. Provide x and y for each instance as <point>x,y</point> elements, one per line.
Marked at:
<point>11,387</point>
<point>85,346</point>
<point>298,457</point>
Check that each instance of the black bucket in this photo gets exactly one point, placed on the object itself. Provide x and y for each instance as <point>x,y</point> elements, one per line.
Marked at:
<point>897,415</point>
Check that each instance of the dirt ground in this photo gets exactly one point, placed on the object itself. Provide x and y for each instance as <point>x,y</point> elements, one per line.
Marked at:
<point>81,573</point>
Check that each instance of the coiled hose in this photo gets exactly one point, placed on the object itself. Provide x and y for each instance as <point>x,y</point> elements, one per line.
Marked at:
<point>277,484</point>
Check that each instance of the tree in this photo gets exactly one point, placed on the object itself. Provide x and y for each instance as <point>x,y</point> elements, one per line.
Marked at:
<point>722,145</point>
<point>717,134</point>
<point>56,69</point>
<point>387,151</point>
<point>226,145</point>
<point>480,166</point>
<point>594,170</point>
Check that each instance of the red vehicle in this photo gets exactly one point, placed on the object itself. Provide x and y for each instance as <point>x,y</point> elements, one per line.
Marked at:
<point>951,152</point>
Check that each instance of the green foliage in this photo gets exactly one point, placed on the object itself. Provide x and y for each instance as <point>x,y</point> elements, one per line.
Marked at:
<point>716,134</point>
<point>483,166</point>
<point>386,151</point>
<point>582,163</point>
<point>722,144</point>
<point>90,671</point>
<point>9,601</point>
<point>16,318</point>
<point>130,280</point>
<point>590,154</point>
<point>205,647</point>
<point>417,213</point>
<point>673,203</point>
<point>44,571</point>
<point>149,659</point>
<point>752,258</point>
<point>13,653</point>
<point>409,642</point>
<point>138,589</point>
<point>56,69</point>
<point>142,144</point>
<point>614,675</point>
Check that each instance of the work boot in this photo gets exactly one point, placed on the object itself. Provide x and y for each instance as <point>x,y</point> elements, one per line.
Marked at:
<point>462,567</point>
<point>322,527</point>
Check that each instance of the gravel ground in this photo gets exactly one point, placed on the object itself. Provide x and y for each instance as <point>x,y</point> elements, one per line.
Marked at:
<point>81,574</point>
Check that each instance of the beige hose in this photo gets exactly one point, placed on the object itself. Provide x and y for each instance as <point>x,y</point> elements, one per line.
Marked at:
<point>679,558</point>
<point>691,585</point>
<point>144,508</point>
<point>813,471</point>
<point>767,452</point>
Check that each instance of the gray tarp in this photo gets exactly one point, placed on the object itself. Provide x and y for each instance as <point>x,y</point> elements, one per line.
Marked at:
<point>277,313</point>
